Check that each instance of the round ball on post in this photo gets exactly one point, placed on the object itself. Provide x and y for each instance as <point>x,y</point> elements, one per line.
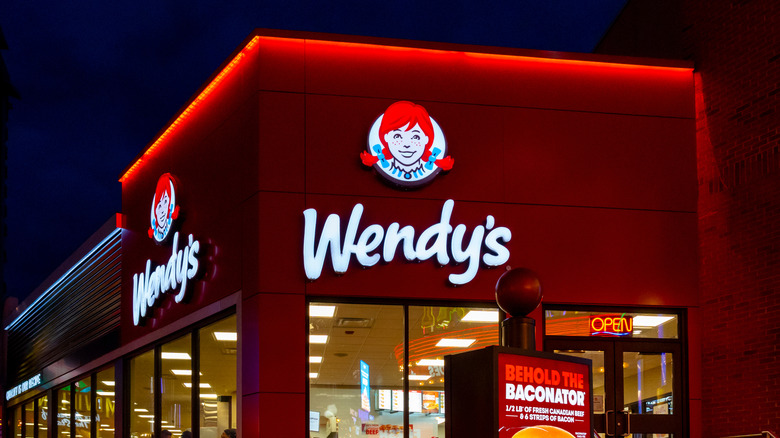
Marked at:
<point>518,292</point>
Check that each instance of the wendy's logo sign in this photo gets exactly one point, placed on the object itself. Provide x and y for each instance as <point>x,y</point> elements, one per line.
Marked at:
<point>406,146</point>
<point>158,279</point>
<point>486,243</point>
<point>164,208</point>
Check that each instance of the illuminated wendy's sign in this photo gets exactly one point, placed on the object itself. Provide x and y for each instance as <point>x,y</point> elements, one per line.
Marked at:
<point>376,242</point>
<point>406,146</point>
<point>611,325</point>
<point>165,210</point>
<point>150,286</point>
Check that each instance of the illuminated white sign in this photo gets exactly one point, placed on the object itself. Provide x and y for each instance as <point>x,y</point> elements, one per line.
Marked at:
<point>164,208</point>
<point>21,388</point>
<point>150,286</point>
<point>406,146</point>
<point>433,241</point>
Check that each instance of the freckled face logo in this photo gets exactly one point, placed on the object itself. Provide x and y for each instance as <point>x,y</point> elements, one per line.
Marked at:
<point>406,146</point>
<point>165,210</point>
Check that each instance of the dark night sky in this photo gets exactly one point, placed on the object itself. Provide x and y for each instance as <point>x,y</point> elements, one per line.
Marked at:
<point>98,81</point>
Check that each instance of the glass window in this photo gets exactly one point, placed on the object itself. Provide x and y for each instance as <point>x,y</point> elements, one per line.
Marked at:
<point>18,421</point>
<point>176,385</point>
<point>43,415</point>
<point>142,395</point>
<point>217,386</point>
<point>433,333</point>
<point>83,401</point>
<point>63,412</point>
<point>356,358</point>
<point>647,383</point>
<point>214,384</point>
<point>105,403</point>
<point>599,385</point>
<point>357,365</point>
<point>29,419</point>
<point>590,323</point>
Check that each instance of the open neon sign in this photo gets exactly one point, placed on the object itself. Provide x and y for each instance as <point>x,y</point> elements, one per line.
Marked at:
<point>611,325</point>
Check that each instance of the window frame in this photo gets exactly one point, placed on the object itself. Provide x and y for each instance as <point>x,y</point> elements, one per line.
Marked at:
<point>405,304</point>
<point>192,330</point>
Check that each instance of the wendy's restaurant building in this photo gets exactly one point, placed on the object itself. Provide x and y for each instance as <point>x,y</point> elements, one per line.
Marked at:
<point>327,219</point>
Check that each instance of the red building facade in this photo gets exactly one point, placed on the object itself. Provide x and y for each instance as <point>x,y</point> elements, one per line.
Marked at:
<point>265,198</point>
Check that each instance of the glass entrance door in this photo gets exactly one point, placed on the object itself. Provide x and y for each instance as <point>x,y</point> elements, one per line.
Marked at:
<point>637,367</point>
<point>636,385</point>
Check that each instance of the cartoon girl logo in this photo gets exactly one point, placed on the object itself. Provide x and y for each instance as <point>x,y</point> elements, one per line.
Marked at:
<point>406,146</point>
<point>164,208</point>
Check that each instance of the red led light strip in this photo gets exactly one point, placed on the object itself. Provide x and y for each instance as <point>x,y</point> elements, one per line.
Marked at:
<point>191,108</point>
<point>254,41</point>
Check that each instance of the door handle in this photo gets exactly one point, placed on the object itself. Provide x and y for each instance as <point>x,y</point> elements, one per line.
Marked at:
<point>627,413</point>
<point>607,422</point>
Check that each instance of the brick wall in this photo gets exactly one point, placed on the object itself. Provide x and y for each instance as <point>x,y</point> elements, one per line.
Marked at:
<point>736,49</point>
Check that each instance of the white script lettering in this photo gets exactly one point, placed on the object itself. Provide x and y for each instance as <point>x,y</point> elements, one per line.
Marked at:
<point>148,286</point>
<point>433,241</point>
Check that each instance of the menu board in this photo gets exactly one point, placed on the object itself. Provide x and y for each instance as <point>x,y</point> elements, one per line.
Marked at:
<point>543,397</point>
<point>398,400</point>
<point>365,388</point>
<point>430,402</point>
<point>314,421</point>
<point>384,399</point>
<point>415,401</point>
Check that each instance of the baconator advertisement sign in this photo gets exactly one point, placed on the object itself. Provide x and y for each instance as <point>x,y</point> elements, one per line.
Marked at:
<point>543,398</point>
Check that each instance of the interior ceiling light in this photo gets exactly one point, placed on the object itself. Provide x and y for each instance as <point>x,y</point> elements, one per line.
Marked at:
<point>140,410</point>
<point>183,372</point>
<point>146,416</point>
<point>105,393</point>
<point>354,323</point>
<point>431,362</point>
<point>455,342</point>
<point>314,375</point>
<point>315,359</point>
<point>321,311</point>
<point>419,377</point>
<point>202,385</point>
<point>209,396</point>
<point>481,316</point>
<point>650,321</point>
<point>109,382</point>
<point>226,336</point>
<point>178,356</point>
<point>318,339</point>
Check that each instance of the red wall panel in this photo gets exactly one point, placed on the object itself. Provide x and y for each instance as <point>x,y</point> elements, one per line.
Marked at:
<point>348,69</point>
<point>586,163</point>
<point>583,255</point>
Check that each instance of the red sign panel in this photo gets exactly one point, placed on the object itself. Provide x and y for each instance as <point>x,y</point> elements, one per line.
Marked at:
<point>543,398</point>
<point>611,325</point>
